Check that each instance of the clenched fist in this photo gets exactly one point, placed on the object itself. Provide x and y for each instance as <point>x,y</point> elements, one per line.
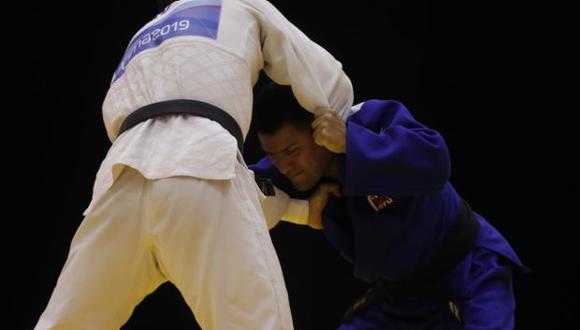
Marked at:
<point>329,131</point>
<point>317,202</point>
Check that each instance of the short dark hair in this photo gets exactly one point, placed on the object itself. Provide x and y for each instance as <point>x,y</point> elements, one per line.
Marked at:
<point>275,106</point>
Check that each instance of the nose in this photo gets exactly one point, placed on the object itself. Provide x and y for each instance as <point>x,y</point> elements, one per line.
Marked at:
<point>284,164</point>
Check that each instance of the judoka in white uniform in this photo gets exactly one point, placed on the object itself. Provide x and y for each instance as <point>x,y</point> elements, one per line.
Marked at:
<point>173,200</point>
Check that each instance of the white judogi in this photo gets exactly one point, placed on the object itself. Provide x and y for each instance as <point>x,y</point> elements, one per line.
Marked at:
<point>172,199</point>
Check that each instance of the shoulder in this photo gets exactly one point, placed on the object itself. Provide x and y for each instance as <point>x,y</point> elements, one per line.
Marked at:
<point>374,105</point>
<point>376,110</point>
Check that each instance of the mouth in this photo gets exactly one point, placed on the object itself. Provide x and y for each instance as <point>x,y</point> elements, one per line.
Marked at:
<point>294,175</point>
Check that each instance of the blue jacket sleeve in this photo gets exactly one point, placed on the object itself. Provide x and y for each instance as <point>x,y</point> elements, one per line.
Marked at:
<point>390,153</point>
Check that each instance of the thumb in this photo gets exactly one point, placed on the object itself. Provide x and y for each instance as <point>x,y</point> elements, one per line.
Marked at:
<point>333,189</point>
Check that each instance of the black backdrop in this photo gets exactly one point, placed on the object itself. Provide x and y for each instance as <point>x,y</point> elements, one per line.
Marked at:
<point>478,72</point>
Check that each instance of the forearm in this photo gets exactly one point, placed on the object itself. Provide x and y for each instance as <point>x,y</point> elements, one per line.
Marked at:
<point>291,58</point>
<point>282,207</point>
<point>296,212</point>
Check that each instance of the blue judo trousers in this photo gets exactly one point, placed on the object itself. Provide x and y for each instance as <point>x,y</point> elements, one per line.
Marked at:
<point>397,207</point>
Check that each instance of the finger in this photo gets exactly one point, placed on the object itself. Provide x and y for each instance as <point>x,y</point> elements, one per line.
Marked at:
<point>317,132</point>
<point>315,123</point>
<point>320,111</point>
<point>335,190</point>
<point>316,225</point>
<point>328,187</point>
<point>319,136</point>
<point>319,141</point>
<point>321,120</point>
<point>329,120</point>
<point>332,188</point>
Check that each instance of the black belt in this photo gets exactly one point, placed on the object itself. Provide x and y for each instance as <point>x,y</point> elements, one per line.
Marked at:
<point>196,108</point>
<point>458,241</point>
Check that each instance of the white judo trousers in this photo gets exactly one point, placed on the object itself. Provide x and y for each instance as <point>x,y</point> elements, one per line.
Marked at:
<point>208,237</point>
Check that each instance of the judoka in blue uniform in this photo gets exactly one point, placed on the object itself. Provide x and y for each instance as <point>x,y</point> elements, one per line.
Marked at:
<point>431,262</point>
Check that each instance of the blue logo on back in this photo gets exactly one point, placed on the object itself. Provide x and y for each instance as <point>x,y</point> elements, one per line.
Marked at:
<point>195,18</point>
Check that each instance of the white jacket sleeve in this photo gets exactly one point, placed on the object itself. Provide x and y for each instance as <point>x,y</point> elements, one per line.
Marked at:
<point>291,58</point>
<point>282,207</point>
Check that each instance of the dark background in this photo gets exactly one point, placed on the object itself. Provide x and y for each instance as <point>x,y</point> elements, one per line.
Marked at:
<point>482,73</point>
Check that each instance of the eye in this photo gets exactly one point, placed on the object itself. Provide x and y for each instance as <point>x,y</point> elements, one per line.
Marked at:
<point>294,152</point>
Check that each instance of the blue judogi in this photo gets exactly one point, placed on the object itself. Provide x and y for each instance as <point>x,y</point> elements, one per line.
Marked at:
<point>396,209</point>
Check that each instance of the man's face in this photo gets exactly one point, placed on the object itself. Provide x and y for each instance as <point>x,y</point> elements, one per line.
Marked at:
<point>294,153</point>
